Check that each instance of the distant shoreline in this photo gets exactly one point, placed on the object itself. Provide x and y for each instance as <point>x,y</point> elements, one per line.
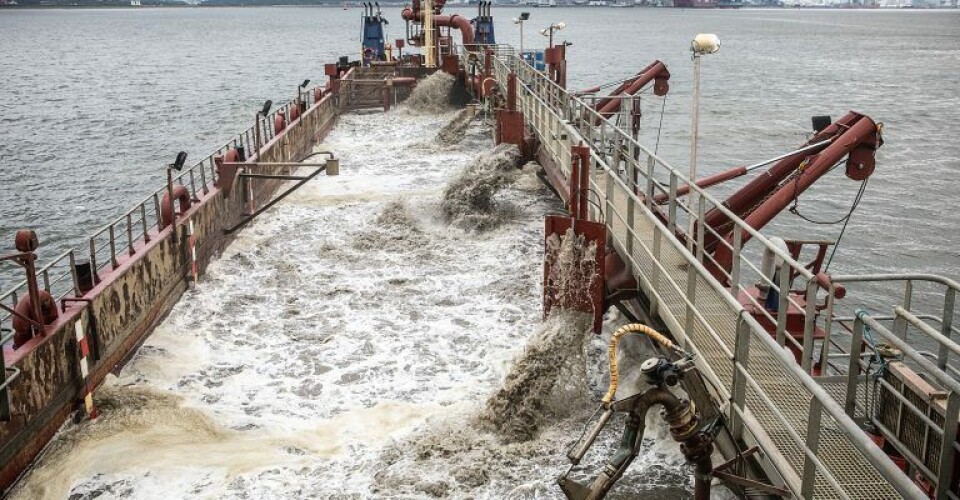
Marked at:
<point>401,4</point>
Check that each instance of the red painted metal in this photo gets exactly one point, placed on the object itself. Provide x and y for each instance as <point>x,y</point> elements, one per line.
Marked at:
<point>451,64</point>
<point>279,123</point>
<point>29,312</point>
<point>317,94</point>
<point>580,183</point>
<point>26,241</point>
<point>227,175</point>
<point>460,23</point>
<point>166,204</point>
<point>556,59</point>
<point>294,113</point>
<point>486,87</point>
<point>705,182</point>
<point>656,72</point>
<point>589,298</point>
<point>512,92</point>
<point>769,194</point>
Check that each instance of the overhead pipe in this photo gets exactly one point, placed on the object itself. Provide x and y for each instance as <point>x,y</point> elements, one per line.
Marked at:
<point>455,21</point>
<point>656,71</point>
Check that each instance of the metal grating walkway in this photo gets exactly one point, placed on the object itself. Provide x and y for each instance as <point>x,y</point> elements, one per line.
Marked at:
<point>853,472</point>
<point>806,438</point>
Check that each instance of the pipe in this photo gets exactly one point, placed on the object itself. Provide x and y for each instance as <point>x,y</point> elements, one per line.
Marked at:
<point>735,172</point>
<point>455,21</point>
<point>612,352</point>
<point>655,71</point>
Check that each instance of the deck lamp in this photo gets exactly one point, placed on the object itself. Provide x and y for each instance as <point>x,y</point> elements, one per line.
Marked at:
<point>179,161</point>
<point>177,165</point>
<point>548,31</point>
<point>300,101</point>
<point>524,16</point>
<point>702,44</point>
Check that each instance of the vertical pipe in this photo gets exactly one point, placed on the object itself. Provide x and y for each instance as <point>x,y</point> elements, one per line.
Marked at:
<point>694,131</point>
<point>512,91</point>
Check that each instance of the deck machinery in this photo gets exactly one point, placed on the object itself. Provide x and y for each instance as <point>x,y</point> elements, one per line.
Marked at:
<point>802,398</point>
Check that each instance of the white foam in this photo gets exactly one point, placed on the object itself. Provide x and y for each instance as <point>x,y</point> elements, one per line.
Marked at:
<point>345,321</point>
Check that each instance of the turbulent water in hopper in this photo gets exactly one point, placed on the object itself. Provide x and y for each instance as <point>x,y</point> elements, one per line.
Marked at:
<point>356,343</point>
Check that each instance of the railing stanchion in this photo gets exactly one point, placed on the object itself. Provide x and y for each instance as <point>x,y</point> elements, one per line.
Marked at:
<point>783,288</point>
<point>949,299</point>
<point>113,247</point>
<point>900,324</point>
<point>93,260</point>
<point>853,368</point>
<point>947,453</point>
<point>73,274</point>
<point>809,325</point>
<point>735,263</point>
<point>808,485</point>
<point>738,392</point>
<point>143,222</point>
<point>130,233</point>
<point>156,208</point>
<point>701,206</point>
<point>672,207</point>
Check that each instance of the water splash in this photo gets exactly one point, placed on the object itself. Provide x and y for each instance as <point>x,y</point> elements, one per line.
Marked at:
<point>431,95</point>
<point>469,199</point>
<point>456,129</point>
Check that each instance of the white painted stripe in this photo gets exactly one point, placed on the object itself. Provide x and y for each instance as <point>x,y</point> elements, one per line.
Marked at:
<point>78,329</point>
<point>83,368</point>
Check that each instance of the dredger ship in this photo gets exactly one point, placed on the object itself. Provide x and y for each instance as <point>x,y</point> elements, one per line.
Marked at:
<point>760,358</point>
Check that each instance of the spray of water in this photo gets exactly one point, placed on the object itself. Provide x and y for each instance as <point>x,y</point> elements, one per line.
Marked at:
<point>456,129</point>
<point>469,199</point>
<point>431,95</point>
<point>343,347</point>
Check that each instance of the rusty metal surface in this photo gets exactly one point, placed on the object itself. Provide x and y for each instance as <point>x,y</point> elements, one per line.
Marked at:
<point>128,302</point>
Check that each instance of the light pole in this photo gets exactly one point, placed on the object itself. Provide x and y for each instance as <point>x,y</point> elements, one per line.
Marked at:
<point>548,31</point>
<point>702,44</point>
<point>519,20</point>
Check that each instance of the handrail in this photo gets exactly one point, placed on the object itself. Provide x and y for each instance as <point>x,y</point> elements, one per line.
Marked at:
<point>539,109</point>
<point>199,179</point>
<point>861,278</point>
<point>604,121</point>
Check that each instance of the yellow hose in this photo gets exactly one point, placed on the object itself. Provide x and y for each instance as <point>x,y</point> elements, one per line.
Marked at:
<point>612,352</point>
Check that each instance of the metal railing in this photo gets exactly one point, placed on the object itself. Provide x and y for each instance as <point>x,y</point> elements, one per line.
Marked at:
<point>814,446</point>
<point>127,235</point>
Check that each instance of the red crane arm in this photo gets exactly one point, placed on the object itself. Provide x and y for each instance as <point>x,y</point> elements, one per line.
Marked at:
<point>855,136</point>
<point>655,72</point>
